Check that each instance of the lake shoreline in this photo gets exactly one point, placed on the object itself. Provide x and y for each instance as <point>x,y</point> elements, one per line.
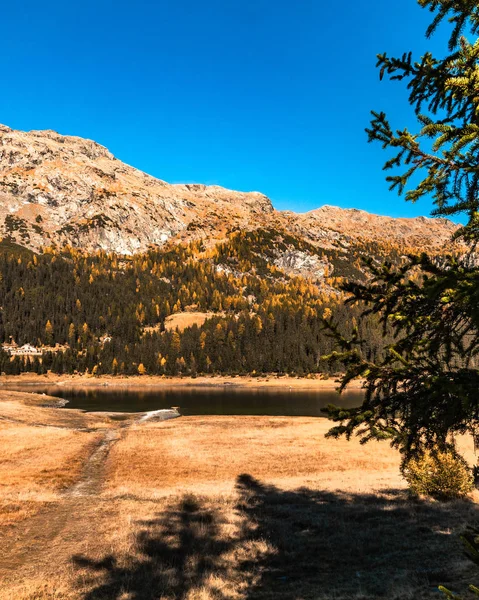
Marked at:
<point>153,381</point>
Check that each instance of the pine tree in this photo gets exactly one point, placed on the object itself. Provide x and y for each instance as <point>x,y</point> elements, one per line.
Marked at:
<point>425,387</point>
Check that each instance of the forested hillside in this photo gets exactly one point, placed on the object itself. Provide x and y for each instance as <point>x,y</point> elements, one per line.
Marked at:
<point>108,311</point>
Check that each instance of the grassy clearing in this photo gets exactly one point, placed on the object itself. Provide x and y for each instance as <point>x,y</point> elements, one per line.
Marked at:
<point>218,508</point>
<point>183,320</point>
<point>207,454</point>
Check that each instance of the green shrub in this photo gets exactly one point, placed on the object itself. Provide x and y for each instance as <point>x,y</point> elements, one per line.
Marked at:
<point>442,475</point>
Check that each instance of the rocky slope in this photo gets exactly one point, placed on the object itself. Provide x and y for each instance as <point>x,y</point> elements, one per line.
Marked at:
<point>351,225</point>
<point>57,189</point>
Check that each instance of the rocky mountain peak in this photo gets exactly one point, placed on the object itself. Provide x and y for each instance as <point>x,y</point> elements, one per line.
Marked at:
<point>58,189</point>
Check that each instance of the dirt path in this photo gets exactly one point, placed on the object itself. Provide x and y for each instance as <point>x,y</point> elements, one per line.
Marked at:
<point>56,533</point>
<point>92,477</point>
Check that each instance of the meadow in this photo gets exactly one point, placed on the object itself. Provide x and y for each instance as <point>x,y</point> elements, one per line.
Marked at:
<point>94,506</point>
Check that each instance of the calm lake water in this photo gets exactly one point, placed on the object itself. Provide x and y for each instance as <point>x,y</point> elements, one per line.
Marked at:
<point>199,401</point>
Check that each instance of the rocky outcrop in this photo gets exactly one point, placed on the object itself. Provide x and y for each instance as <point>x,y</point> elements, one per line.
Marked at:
<point>296,262</point>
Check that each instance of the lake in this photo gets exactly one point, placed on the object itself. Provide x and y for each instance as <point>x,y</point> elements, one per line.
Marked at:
<point>199,400</point>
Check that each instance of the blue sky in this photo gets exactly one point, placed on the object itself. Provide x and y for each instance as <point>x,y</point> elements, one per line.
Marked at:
<point>259,95</point>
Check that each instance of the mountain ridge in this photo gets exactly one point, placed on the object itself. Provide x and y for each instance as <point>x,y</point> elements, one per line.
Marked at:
<point>57,190</point>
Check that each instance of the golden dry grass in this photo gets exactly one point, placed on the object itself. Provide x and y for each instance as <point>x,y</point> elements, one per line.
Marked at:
<point>35,464</point>
<point>42,452</point>
<point>207,454</point>
<point>221,508</point>
<point>41,410</point>
<point>183,320</point>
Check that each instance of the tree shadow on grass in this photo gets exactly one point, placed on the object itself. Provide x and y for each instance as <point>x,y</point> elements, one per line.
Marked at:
<point>173,554</point>
<point>291,544</point>
<point>344,545</point>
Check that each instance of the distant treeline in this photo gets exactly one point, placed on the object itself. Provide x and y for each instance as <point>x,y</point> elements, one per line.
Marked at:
<point>99,305</point>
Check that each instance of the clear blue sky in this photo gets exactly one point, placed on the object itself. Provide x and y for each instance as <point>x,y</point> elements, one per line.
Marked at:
<point>259,95</point>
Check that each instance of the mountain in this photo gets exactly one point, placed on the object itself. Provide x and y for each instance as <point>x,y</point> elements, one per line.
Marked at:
<point>195,278</point>
<point>57,190</point>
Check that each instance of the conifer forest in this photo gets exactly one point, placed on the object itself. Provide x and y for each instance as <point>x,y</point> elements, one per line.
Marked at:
<point>102,313</point>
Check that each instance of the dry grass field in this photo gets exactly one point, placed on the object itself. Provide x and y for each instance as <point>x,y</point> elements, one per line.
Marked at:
<point>42,453</point>
<point>207,455</point>
<point>183,320</point>
<point>203,508</point>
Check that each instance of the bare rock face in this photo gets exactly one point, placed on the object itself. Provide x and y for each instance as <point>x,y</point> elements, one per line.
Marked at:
<point>57,189</point>
<point>296,262</point>
<point>64,189</point>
